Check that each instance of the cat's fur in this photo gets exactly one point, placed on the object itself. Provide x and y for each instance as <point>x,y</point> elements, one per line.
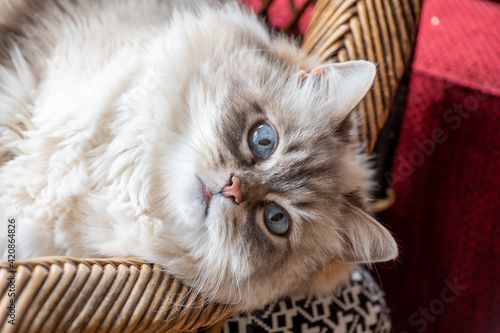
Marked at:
<point>111,110</point>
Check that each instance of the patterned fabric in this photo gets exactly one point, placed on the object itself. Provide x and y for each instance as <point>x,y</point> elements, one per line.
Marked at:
<point>358,307</point>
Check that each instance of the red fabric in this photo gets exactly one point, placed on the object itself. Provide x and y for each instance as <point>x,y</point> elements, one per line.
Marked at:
<point>280,12</point>
<point>459,41</point>
<point>446,176</point>
<point>447,211</point>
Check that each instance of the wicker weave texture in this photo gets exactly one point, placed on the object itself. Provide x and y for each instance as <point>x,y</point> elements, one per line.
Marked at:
<point>381,31</point>
<point>59,294</point>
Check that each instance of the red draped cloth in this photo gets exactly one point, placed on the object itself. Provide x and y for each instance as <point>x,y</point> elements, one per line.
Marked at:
<point>446,176</point>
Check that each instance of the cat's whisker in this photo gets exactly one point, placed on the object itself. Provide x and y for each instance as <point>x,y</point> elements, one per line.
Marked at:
<point>237,286</point>
<point>349,244</point>
<point>235,277</point>
<point>201,277</point>
<point>187,153</point>
<point>246,255</point>
<point>374,267</point>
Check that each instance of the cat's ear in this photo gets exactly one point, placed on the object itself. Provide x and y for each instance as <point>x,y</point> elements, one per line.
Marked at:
<point>365,239</point>
<point>344,83</point>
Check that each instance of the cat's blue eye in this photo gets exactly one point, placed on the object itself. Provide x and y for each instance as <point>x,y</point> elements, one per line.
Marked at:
<point>276,219</point>
<point>262,140</point>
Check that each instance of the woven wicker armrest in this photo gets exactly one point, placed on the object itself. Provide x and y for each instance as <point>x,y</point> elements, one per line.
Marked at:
<point>381,31</point>
<point>61,294</point>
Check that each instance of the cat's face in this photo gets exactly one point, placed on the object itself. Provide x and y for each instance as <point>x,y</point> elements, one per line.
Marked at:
<point>268,183</point>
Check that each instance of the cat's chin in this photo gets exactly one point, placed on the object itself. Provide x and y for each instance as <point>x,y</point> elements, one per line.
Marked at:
<point>199,200</point>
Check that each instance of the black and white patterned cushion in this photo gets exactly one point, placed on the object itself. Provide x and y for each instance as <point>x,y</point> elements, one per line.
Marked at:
<point>358,307</point>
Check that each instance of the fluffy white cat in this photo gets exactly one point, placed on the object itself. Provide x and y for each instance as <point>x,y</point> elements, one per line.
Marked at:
<point>182,133</point>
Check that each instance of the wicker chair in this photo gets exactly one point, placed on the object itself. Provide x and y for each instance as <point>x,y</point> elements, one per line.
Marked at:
<point>61,294</point>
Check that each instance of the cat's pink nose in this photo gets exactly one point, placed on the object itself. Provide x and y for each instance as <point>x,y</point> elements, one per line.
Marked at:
<point>233,190</point>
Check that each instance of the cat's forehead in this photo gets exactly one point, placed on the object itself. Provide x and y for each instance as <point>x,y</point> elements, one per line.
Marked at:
<point>278,98</point>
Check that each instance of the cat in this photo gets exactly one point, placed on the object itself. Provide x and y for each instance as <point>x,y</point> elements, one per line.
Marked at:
<point>183,133</point>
